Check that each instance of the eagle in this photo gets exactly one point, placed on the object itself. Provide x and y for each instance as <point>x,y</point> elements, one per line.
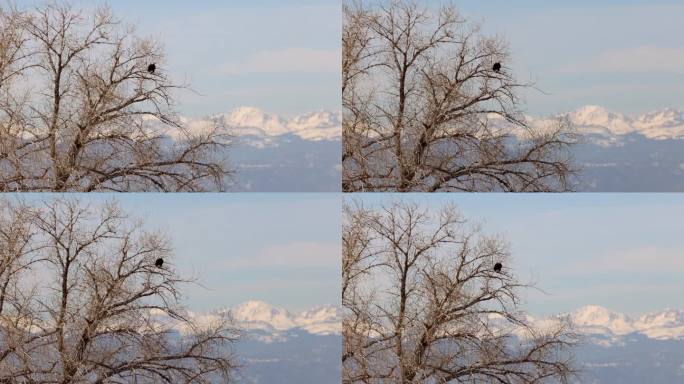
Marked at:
<point>151,68</point>
<point>497,67</point>
<point>159,262</point>
<point>497,267</point>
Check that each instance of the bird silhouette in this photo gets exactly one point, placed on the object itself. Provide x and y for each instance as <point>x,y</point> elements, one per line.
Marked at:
<point>497,267</point>
<point>159,262</point>
<point>151,68</point>
<point>497,67</point>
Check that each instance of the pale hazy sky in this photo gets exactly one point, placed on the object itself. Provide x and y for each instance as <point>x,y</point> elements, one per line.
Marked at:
<point>284,56</point>
<point>621,251</point>
<point>626,55</point>
<point>280,248</point>
<point>280,56</point>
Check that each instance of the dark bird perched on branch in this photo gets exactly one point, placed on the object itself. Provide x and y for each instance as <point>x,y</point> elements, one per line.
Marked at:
<point>497,67</point>
<point>151,68</point>
<point>159,262</point>
<point>497,267</point>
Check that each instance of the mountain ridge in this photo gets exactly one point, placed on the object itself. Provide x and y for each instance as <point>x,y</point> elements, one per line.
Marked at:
<point>253,123</point>
<point>593,120</point>
<point>662,124</point>
<point>667,324</point>
<point>255,315</point>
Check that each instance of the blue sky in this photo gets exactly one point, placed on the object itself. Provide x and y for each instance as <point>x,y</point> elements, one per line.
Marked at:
<point>280,56</point>
<point>280,248</point>
<point>283,56</point>
<point>621,251</point>
<point>625,55</point>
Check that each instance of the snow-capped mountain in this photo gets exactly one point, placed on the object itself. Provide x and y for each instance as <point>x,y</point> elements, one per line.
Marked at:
<point>595,119</point>
<point>277,154</point>
<point>610,128</point>
<point>617,348</point>
<point>259,315</point>
<point>596,320</point>
<point>619,153</point>
<point>279,346</point>
<point>252,123</point>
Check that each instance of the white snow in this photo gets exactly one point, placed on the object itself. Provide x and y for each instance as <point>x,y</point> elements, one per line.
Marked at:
<point>263,316</point>
<point>668,324</point>
<point>250,117</point>
<point>608,128</point>
<point>595,119</point>
<point>257,128</point>
<point>315,126</point>
<point>599,318</point>
<point>614,326</point>
<point>658,125</point>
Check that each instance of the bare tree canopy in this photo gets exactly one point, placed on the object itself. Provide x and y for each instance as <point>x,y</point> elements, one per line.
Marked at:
<point>427,108</point>
<point>81,301</point>
<point>80,109</point>
<point>424,304</point>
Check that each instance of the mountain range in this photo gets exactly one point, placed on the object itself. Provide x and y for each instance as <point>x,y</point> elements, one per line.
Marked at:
<point>589,120</point>
<point>617,327</point>
<point>619,153</point>
<point>279,346</point>
<point>616,153</point>
<point>659,125</point>
<point>598,123</point>
<point>315,126</point>
<point>262,128</point>
<point>271,153</point>
<point>258,315</point>
<point>326,320</point>
<point>616,348</point>
<point>276,154</point>
<point>261,318</point>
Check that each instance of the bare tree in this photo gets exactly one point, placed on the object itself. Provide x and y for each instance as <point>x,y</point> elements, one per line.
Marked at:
<point>81,111</point>
<point>425,304</point>
<point>425,109</point>
<point>84,302</point>
<point>17,256</point>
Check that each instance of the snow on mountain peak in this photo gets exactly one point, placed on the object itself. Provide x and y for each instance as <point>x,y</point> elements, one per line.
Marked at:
<point>599,317</point>
<point>255,121</point>
<point>664,118</point>
<point>259,314</point>
<point>594,112</point>
<point>314,126</point>
<point>326,320</point>
<point>666,318</point>
<point>320,118</point>
<point>318,314</point>
<point>663,325</point>
<point>596,320</point>
<point>598,117</point>
<point>263,316</point>
<point>327,125</point>
<point>321,125</point>
<point>605,124</point>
